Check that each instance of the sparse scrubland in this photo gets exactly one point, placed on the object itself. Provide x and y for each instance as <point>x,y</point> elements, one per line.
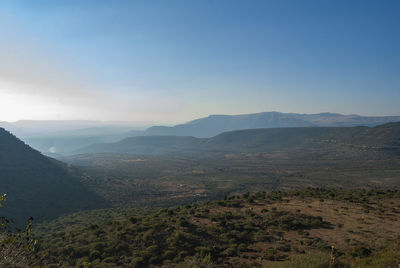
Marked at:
<point>275,229</point>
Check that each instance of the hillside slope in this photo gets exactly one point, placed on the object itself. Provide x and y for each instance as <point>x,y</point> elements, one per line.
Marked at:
<point>36,185</point>
<point>148,145</point>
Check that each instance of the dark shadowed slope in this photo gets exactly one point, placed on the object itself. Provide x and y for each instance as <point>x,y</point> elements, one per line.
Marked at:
<point>348,140</point>
<point>36,185</point>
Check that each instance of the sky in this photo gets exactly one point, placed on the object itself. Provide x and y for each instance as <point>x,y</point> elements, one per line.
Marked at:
<point>173,61</point>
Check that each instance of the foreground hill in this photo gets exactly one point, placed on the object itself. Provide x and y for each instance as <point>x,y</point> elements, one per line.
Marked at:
<point>36,185</point>
<point>344,140</point>
<point>277,229</point>
<point>216,124</point>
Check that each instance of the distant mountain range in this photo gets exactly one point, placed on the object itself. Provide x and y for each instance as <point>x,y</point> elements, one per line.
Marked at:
<point>346,141</point>
<point>36,185</point>
<point>216,124</point>
<point>57,138</point>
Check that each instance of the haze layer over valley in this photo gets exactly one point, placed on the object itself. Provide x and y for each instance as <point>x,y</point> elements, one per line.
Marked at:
<point>67,137</point>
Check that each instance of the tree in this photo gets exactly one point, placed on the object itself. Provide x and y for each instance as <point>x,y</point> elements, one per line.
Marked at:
<point>17,247</point>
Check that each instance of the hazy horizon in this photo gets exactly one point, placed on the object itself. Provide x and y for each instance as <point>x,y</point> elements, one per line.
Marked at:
<point>170,123</point>
<point>172,62</point>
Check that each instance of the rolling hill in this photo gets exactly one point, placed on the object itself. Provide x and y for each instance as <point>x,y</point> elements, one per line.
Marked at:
<point>347,140</point>
<point>36,185</point>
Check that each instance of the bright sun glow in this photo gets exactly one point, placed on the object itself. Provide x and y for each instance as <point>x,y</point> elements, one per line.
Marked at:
<point>16,106</point>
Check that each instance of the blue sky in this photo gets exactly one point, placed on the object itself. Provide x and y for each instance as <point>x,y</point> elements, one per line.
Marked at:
<point>172,61</point>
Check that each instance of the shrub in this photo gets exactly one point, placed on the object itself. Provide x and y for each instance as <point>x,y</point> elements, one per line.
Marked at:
<point>360,251</point>
<point>231,251</point>
<point>271,254</point>
<point>95,254</point>
<point>138,262</point>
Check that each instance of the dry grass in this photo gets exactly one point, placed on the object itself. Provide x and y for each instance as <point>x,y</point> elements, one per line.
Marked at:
<point>348,225</point>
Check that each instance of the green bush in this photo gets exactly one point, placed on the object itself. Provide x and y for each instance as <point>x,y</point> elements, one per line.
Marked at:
<point>95,254</point>
<point>360,251</point>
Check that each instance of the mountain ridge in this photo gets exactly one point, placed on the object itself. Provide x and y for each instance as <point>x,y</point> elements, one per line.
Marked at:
<point>261,140</point>
<point>64,137</point>
<point>214,124</point>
